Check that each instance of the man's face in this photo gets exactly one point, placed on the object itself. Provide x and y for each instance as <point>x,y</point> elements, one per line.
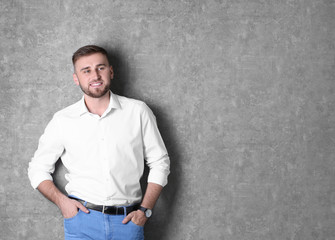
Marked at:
<point>93,74</point>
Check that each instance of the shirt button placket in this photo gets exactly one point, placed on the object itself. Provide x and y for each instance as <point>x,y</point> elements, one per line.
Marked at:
<point>103,154</point>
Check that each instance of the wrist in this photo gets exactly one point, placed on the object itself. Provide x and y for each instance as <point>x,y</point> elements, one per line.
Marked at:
<point>147,211</point>
<point>60,199</point>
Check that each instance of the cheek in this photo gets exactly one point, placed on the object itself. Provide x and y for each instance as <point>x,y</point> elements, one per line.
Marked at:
<point>82,80</point>
<point>106,76</point>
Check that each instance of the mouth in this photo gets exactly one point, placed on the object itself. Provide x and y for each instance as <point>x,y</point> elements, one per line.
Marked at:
<point>95,84</point>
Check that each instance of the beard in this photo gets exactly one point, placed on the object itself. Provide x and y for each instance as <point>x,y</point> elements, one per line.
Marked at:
<point>95,92</point>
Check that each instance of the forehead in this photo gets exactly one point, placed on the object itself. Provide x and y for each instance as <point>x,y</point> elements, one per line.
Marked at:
<point>91,60</point>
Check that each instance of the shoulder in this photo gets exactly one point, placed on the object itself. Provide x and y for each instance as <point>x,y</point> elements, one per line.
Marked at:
<point>135,106</point>
<point>130,103</point>
<point>69,111</point>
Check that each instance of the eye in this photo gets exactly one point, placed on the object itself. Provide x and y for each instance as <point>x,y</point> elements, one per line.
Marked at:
<point>101,68</point>
<point>87,71</point>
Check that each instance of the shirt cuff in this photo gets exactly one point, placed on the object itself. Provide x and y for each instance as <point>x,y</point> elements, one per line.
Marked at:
<point>36,180</point>
<point>158,177</point>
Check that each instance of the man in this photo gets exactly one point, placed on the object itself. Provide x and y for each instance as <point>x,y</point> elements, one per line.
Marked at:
<point>103,141</point>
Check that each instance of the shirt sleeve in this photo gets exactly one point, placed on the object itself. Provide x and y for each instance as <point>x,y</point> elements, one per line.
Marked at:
<point>155,153</point>
<point>50,148</point>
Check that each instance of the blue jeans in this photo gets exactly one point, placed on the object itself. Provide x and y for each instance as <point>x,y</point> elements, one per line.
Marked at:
<point>98,226</point>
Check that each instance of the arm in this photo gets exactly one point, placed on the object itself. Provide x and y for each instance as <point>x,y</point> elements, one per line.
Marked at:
<point>150,198</point>
<point>42,165</point>
<point>68,207</point>
<point>157,160</point>
<point>151,195</point>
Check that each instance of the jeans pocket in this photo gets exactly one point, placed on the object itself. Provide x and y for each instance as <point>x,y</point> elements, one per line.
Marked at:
<point>71,218</point>
<point>135,231</point>
<point>132,223</point>
<point>72,225</point>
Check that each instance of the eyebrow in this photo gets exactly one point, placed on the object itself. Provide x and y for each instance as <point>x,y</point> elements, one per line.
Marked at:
<point>99,65</point>
<point>84,68</point>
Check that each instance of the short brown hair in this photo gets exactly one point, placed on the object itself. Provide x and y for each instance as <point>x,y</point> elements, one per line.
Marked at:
<point>88,50</point>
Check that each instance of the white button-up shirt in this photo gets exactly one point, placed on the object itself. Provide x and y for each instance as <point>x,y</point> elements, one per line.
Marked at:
<point>104,155</point>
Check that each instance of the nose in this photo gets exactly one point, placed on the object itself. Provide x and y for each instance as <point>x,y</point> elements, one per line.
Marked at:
<point>96,74</point>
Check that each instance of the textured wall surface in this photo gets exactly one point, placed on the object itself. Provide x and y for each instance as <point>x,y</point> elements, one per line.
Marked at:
<point>243,91</point>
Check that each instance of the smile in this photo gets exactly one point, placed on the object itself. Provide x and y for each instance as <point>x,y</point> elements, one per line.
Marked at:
<point>96,84</point>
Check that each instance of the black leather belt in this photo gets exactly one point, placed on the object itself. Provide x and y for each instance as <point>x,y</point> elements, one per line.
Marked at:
<point>112,210</point>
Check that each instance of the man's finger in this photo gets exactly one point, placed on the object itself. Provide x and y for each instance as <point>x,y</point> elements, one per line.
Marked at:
<point>127,218</point>
<point>81,207</point>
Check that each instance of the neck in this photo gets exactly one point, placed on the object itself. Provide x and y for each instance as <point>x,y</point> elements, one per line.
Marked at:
<point>97,105</point>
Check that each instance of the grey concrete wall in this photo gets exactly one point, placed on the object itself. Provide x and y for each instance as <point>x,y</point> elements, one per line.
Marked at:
<point>244,94</point>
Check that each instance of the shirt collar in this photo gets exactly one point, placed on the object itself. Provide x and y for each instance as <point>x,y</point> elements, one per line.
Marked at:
<point>113,103</point>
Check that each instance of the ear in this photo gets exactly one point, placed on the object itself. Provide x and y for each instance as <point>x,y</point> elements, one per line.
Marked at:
<point>75,79</point>
<point>112,72</point>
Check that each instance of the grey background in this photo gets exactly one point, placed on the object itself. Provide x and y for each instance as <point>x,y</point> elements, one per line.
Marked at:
<point>244,95</point>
